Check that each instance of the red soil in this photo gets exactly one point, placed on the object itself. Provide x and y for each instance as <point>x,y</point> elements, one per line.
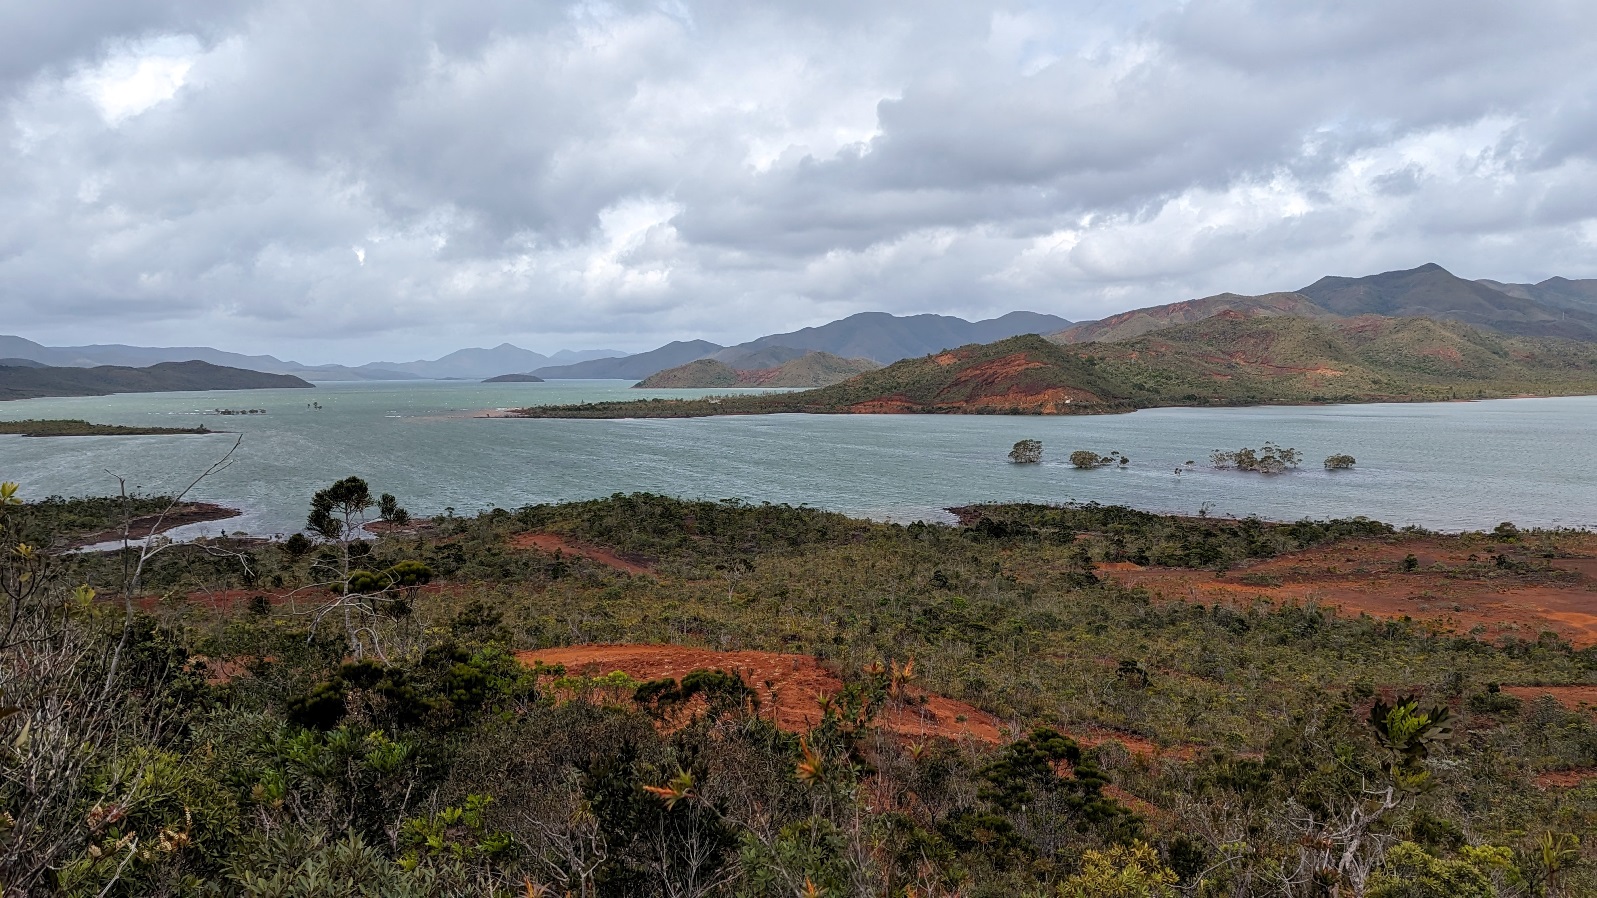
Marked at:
<point>788,686</point>
<point>549,542</point>
<point>1364,576</point>
<point>1565,779</point>
<point>1572,697</point>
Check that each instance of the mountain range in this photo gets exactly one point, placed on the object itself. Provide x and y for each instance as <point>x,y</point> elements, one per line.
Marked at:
<point>877,336</point>
<point>1230,358</point>
<point>1555,307</point>
<point>464,363</point>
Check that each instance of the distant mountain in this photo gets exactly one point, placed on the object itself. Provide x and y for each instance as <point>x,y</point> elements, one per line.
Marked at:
<point>1431,291</point>
<point>754,359</point>
<point>515,379</point>
<point>1226,359</point>
<point>887,338</point>
<point>117,354</point>
<point>1133,324</point>
<point>1559,293</point>
<point>470,363</point>
<point>812,369</point>
<point>165,377</point>
<point>464,363</point>
<point>633,367</point>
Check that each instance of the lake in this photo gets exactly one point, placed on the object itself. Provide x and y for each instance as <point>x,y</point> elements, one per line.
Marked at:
<point>1451,466</point>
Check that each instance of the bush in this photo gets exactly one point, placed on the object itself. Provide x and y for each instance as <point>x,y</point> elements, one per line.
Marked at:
<point>1026,452</point>
<point>1340,462</point>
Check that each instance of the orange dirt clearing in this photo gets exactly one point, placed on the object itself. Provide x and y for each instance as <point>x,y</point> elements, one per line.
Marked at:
<point>1572,697</point>
<point>549,542</point>
<point>788,686</point>
<point>1364,576</point>
<point>1565,779</point>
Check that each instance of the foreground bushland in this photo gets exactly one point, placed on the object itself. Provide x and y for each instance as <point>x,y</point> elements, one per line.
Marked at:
<point>336,716</point>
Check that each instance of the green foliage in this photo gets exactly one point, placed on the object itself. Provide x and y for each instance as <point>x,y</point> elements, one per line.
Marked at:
<point>280,764</point>
<point>335,508</point>
<point>1339,462</point>
<point>1086,458</point>
<point>1411,872</point>
<point>1123,871</point>
<point>1026,452</point>
<point>1271,459</point>
<point>79,428</point>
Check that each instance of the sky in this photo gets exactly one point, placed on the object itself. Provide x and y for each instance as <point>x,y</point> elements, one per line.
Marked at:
<point>343,182</point>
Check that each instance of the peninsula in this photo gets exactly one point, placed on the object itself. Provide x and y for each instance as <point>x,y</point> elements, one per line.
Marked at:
<point>1227,359</point>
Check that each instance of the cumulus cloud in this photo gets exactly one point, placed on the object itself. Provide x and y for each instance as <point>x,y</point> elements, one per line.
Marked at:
<point>356,180</point>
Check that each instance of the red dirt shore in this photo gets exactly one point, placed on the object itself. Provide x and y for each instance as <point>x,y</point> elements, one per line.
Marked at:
<point>788,685</point>
<point>1365,576</point>
<point>149,525</point>
<point>549,542</point>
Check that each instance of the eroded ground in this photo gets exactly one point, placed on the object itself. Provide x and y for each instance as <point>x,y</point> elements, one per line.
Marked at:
<point>1462,582</point>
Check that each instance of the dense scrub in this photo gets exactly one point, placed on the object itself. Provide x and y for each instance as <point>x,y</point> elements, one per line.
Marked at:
<point>1168,748</point>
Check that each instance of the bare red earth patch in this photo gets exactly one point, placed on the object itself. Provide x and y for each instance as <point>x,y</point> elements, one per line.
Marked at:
<point>549,542</point>
<point>789,686</point>
<point>1365,576</point>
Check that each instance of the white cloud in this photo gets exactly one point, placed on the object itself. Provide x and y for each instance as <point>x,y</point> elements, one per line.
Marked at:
<point>627,172</point>
<point>138,77</point>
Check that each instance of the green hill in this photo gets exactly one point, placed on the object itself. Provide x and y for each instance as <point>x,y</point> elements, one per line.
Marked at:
<point>1228,359</point>
<point>166,377</point>
<point>813,369</point>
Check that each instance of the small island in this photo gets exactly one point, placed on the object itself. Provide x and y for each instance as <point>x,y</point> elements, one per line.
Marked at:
<point>515,379</point>
<point>77,428</point>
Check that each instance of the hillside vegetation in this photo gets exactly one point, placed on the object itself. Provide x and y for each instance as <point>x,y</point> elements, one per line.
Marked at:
<point>166,377</point>
<point>1227,359</point>
<point>1137,322</point>
<point>1212,749</point>
<point>74,427</point>
<point>813,369</point>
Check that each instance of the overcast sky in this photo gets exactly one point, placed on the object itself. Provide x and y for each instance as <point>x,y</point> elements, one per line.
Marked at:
<point>349,181</point>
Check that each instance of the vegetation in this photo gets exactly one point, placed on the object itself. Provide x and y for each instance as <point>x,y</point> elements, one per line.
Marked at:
<point>1271,459</point>
<point>1340,462</point>
<point>31,383</point>
<point>1088,459</point>
<point>1221,360</point>
<point>813,369</point>
<point>76,428</point>
<point>1026,452</point>
<point>158,746</point>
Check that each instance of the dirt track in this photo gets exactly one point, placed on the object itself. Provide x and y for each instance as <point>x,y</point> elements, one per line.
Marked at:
<point>549,542</point>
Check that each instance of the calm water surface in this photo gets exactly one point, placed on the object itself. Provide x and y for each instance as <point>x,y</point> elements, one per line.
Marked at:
<point>1444,465</point>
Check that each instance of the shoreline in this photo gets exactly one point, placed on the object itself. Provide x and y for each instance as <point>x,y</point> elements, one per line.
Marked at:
<point>595,413</point>
<point>145,526</point>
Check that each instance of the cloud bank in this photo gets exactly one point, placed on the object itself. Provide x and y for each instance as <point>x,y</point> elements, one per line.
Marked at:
<point>339,182</point>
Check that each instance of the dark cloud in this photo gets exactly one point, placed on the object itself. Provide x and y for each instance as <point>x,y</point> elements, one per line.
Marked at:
<point>369,179</point>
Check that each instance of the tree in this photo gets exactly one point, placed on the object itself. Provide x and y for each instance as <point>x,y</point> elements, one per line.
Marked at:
<point>1087,459</point>
<point>1026,452</point>
<point>1340,462</point>
<point>389,510</point>
<point>1267,459</point>
<point>338,515</point>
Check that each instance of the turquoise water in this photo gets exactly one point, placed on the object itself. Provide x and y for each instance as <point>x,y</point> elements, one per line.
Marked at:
<point>1442,465</point>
